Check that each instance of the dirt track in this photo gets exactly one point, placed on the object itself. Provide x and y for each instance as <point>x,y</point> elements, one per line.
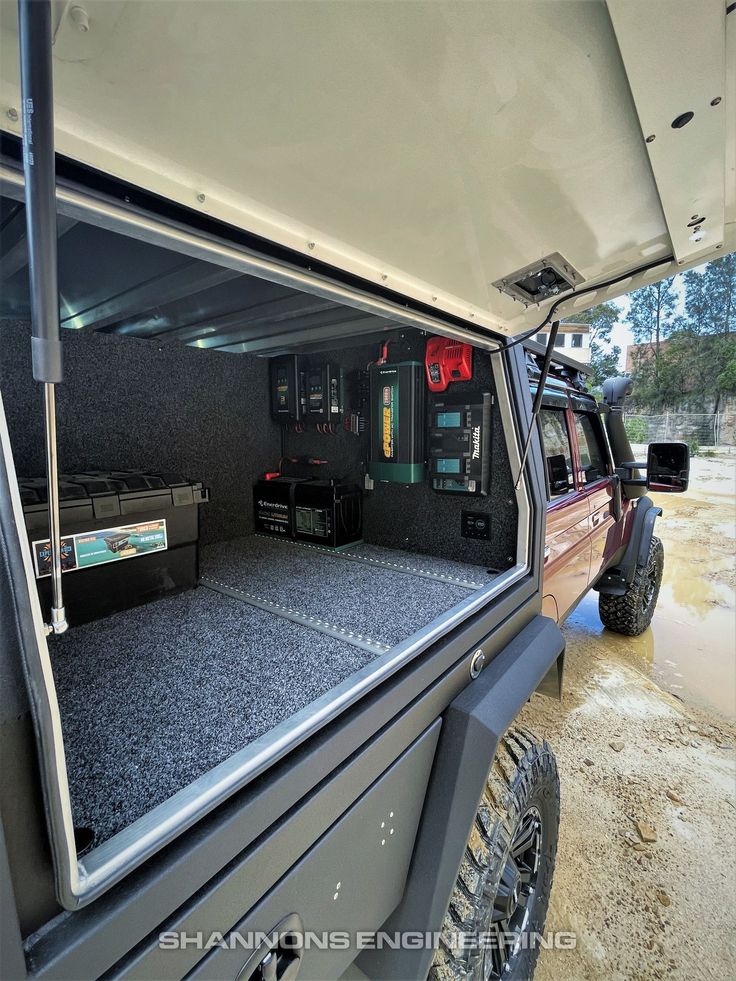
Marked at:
<point>662,909</point>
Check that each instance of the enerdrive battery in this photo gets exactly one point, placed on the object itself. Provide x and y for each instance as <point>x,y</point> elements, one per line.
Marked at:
<point>319,512</point>
<point>397,422</point>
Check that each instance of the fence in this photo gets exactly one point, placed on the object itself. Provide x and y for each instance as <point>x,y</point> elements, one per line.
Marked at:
<point>705,428</point>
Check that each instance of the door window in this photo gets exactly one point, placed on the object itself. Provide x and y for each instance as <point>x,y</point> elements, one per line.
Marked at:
<point>591,446</point>
<point>557,454</point>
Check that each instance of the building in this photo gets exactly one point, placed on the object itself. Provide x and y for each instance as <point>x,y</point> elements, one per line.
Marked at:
<point>574,339</point>
<point>637,353</point>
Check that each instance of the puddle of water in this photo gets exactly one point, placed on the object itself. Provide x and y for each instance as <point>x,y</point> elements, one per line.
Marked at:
<point>688,650</point>
<point>618,690</point>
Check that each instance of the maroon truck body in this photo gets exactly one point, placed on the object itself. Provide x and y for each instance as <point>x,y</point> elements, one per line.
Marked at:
<point>589,523</point>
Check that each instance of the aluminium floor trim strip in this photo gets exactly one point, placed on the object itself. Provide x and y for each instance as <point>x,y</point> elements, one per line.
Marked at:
<point>305,619</point>
<point>393,566</point>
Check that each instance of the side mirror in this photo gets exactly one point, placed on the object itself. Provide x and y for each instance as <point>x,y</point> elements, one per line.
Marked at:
<point>668,467</point>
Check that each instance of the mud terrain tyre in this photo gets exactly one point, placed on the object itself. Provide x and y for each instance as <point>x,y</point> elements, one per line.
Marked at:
<point>503,886</point>
<point>632,613</point>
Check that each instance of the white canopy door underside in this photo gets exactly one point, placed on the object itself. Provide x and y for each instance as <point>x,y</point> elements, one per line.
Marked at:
<point>433,148</point>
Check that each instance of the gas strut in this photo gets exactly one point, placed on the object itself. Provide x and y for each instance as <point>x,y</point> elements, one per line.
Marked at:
<point>34,22</point>
<point>538,397</point>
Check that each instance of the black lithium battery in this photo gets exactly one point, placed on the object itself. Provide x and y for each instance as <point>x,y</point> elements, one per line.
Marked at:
<point>303,509</point>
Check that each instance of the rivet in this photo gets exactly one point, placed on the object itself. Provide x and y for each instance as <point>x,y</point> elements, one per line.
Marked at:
<point>310,245</point>
<point>693,218</point>
<point>716,101</point>
<point>201,198</point>
<point>12,115</point>
<point>434,299</point>
<point>476,664</point>
<point>79,18</point>
<point>651,139</point>
<point>384,276</point>
<point>719,246</point>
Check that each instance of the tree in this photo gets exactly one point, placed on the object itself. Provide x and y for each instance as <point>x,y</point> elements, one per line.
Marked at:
<point>700,356</point>
<point>600,319</point>
<point>603,359</point>
<point>710,297</point>
<point>604,363</point>
<point>651,316</point>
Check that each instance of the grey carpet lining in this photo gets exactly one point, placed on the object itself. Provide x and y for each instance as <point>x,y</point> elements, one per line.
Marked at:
<point>383,604</point>
<point>441,570</point>
<point>331,629</point>
<point>154,697</point>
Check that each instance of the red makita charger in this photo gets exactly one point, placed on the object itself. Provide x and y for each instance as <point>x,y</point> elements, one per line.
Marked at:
<point>445,361</point>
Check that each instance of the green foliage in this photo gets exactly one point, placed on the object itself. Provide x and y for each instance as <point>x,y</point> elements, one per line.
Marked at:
<point>652,312</point>
<point>694,446</point>
<point>699,358</point>
<point>603,362</point>
<point>636,429</point>
<point>600,319</point>
<point>710,297</point>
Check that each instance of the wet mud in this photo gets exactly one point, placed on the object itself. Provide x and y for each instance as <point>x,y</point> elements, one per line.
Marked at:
<point>645,740</point>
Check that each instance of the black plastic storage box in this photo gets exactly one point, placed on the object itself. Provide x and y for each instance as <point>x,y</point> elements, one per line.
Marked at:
<point>127,538</point>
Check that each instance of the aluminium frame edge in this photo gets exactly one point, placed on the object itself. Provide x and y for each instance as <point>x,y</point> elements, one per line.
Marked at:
<point>80,882</point>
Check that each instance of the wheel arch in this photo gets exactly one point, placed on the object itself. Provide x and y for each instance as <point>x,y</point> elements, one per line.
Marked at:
<point>616,579</point>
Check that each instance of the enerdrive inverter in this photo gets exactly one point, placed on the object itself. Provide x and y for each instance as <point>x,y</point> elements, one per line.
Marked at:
<point>397,422</point>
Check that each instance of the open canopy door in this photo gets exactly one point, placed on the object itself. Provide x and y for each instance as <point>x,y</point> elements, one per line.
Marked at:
<point>481,158</point>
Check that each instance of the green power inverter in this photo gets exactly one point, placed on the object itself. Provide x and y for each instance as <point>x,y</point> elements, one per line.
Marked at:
<point>397,422</point>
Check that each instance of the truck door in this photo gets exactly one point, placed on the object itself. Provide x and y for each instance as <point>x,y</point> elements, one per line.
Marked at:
<point>567,545</point>
<point>596,482</point>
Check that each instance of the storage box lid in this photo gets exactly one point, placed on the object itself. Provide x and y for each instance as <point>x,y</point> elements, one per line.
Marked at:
<point>128,485</point>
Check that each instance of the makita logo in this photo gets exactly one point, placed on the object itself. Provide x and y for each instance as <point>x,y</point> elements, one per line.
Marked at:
<point>476,443</point>
<point>273,504</point>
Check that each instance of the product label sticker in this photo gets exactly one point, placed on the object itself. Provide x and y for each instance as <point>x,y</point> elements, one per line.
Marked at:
<point>90,548</point>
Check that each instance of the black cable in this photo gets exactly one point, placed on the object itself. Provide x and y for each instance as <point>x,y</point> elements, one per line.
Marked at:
<point>569,296</point>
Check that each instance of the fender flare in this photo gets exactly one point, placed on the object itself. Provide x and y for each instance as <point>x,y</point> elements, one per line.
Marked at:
<point>617,579</point>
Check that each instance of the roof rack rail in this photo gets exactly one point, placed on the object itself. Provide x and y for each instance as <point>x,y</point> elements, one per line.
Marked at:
<point>572,371</point>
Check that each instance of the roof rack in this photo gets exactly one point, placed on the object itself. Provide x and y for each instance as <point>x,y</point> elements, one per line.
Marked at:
<point>573,372</point>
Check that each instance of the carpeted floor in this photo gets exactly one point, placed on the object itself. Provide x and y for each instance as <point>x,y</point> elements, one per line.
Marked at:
<point>382,603</point>
<point>153,697</point>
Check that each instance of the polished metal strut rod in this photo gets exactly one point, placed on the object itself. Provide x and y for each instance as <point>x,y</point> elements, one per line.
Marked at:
<point>34,24</point>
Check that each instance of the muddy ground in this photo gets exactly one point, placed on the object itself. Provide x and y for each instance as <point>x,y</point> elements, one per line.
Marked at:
<point>645,733</point>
